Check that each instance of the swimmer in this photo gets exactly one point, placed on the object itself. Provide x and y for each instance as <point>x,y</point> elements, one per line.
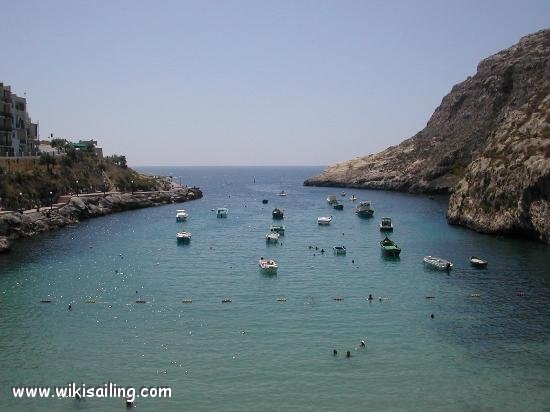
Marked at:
<point>370,297</point>
<point>363,344</point>
<point>432,316</point>
<point>322,250</point>
<point>70,307</point>
<point>353,261</point>
<point>348,354</point>
<point>335,352</point>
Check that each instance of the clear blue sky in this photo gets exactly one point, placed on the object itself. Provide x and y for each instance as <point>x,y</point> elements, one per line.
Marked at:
<point>248,82</point>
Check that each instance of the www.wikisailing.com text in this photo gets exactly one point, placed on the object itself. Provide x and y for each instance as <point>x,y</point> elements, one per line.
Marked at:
<point>81,391</point>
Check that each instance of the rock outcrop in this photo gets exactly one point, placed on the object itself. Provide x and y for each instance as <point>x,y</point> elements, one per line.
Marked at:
<point>487,144</point>
<point>16,225</point>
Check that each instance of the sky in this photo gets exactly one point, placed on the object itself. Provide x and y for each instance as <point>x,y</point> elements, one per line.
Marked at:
<point>248,82</point>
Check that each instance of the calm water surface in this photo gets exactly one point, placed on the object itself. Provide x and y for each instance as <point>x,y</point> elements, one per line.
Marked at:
<point>478,353</point>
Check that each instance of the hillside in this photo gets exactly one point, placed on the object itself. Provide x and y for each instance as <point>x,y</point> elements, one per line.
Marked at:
<point>488,143</point>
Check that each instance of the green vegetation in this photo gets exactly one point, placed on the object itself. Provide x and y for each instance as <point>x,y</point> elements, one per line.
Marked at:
<point>39,182</point>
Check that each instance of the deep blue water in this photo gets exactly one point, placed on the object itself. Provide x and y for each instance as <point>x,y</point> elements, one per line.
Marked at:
<point>478,353</point>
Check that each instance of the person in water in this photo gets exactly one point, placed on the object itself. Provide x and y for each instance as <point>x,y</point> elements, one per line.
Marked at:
<point>348,354</point>
<point>335,352</point>
<point>363,344</point>
<point>370,297</point>
<point>70,307</point>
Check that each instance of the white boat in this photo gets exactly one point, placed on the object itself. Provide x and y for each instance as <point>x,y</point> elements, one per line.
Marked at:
<point>222,212</point>
<point>183,236</point>
<point>438,263</point>
<point>332,199</point>
<point>386,224</point>
<point>283,193</point>
<point>272,237</point>
<point>339,250</point>
<point>353,198</point>
<point>181,215</point>
<point>343,194</point>
<point>478,262</point>
<point>268,265</point>
<point>364,209</point>
<point>324,220</point>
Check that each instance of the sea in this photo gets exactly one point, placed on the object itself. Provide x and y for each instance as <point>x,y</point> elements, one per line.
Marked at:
<point>271,347</point>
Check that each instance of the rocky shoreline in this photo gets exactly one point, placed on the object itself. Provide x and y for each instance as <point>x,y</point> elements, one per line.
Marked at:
<point>487,145</point>
<point>15,225</point>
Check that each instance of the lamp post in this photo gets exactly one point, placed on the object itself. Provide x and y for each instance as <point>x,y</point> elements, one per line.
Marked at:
<point>132,182</point>
<point>51,200</point>
<point>77,188</point>
<point>20,202</point>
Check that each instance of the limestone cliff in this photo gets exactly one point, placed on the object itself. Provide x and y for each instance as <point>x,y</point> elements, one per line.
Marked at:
<point>487,143</point>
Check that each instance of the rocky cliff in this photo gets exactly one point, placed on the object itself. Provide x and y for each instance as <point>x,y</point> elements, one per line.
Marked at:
<point>488,144</point>
<point>15,225</point>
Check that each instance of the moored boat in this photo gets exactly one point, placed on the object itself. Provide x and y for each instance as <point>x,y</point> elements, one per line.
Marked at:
<point>339,250</point>
<point>332,199</point>
<point>268,265</point>
<point>364,209</point>
<point>478,262</point>
<point>183,236</point>
<point>386,224</point>
<point>278,213</point>
<point>389,247</point>
<point>324,220</point>
<point>338,206</point>
<point>222,212</point>
<point>438,263</point>
<point>272,237</point>
<point>280,229</point>
<point>181,215</point>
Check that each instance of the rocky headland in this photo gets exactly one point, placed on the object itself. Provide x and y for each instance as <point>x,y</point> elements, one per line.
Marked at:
<point>487,145</point>
<point>14,225</point>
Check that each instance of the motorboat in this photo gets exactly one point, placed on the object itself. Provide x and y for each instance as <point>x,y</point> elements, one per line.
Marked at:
<point>364,209</point>
<point>389,247</point>
<point>282,193</point>
<point>324,220</point>
<point>268,265</point>
<point>183,237</point>
<point>278,213</point>
<point>339,250</point>
<point>264,201</point>
<point>181,215</point>
<point>386,224</point>
<point>332,199</point>
<point>353,198</point>
<point>272,237</point>
<point>222,212</point>
<point>338,206</point>
<point>438,263</point>
<point>478,262</point>
<point>280,229</point>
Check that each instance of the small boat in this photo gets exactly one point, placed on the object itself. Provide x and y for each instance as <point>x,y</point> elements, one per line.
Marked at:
<point>324,220</point>
<point>389,247</point>
<point>278,213</point>
<point>386,224</point>
<point>268,265</point>
<point>339,250</point>
<point>183,236</point>
<point>364,209</point>
<point>222,212</point>
<point>343,194</point>
<point>181,215</point>
<point>332,199</point>
<point>438,263</point>
<point>338,206</point>
<point>265,201</point>
<point>272,237</point>
<point>280,229</point>
<point>353,198</point>
<point>478,262</point>
<point>283,193</point>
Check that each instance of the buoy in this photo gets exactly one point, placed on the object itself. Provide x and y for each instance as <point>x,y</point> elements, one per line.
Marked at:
<point>338,298</point>
<point>475,295</point>
<point>141,301</point>
<point>90,301</point>
<point>46,301</point>
<point>226,300</point>
<point>186,301</point>
<point>430,297</point>
<point>283,299</point>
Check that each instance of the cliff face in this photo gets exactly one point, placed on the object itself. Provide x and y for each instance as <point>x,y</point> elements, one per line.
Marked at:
<point>488,142</point>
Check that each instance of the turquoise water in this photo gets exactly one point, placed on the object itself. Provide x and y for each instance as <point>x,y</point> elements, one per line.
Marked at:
<point>486,353</point>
